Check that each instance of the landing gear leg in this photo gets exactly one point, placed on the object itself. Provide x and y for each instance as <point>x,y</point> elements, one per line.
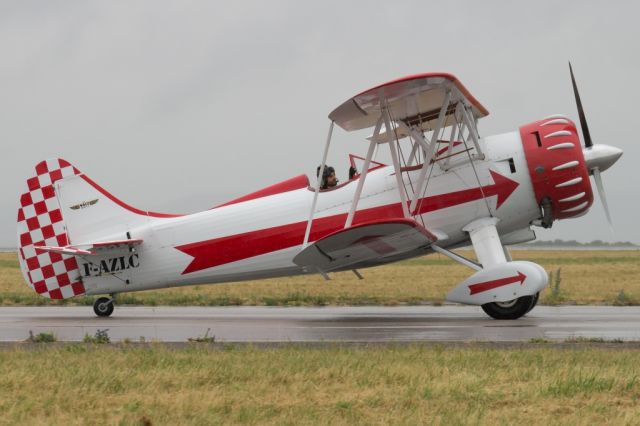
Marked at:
<point>103,306</point>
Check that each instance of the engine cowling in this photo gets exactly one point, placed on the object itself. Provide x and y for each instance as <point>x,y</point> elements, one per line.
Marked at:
<point>557,168</point>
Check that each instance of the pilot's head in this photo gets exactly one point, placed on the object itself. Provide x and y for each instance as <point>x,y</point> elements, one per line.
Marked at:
<point>329,179</point>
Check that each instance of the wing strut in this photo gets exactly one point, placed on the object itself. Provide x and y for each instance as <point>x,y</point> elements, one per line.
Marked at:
<point>317,187</point>
<point>414,150</point>
<point>422,178</point>
<point>396,163</point>
<point>413,154</point>
<point>452,138</point>
<point>363,176</point>
<point>473,131</point>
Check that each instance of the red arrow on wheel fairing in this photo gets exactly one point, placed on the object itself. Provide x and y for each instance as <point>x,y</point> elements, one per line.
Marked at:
<point>488,285</point>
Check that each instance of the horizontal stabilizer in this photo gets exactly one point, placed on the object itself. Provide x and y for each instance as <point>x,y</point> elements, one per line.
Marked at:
<point>91,249</point>
<point>366,242</point>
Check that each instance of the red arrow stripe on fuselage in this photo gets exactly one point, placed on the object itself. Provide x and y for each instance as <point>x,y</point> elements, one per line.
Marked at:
<point>489,285</point>
<point>219,251</point>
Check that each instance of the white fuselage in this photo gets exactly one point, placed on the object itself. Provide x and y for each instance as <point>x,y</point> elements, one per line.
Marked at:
<point>276,220</point>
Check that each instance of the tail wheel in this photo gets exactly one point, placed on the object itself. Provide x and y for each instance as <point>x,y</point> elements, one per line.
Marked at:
<point>510,310</point>
<point>103,306</point>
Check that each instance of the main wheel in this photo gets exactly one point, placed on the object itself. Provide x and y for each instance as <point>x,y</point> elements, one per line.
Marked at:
<point>513,309</point>
<point>534,302</point>
<point>103,306</point>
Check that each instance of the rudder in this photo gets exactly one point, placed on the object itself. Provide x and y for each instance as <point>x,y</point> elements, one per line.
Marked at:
<point>40,223</point>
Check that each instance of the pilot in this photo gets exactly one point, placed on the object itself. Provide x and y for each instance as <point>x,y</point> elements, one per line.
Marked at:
<point>329,179</point>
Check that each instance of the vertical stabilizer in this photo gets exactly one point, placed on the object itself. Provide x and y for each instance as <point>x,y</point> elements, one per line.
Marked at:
<point>40,223</point>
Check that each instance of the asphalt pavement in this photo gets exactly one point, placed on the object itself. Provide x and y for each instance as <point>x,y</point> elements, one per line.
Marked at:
<point>323,324</point>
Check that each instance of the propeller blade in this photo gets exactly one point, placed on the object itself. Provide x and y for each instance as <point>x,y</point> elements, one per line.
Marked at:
<point>603,197</point>
<point>583,119</point>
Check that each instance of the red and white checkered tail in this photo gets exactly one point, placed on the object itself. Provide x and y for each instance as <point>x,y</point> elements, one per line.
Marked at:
<point>67,214</point>
<point>41,223</point>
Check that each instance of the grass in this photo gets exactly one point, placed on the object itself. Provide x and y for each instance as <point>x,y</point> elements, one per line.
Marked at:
<point>88,384</point>
<point>555,295</point>
<point>41,337</point>
<point>582,339</point>
<point>587,277</point>
<point>101,337</point>
<point>203,339</point>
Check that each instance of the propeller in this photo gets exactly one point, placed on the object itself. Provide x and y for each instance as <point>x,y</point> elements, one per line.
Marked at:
<point>603,197</point>
<point>583,120</point>
<point>598,157</point>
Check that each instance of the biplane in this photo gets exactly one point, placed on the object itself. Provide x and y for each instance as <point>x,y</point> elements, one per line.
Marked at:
<point>446,187</point>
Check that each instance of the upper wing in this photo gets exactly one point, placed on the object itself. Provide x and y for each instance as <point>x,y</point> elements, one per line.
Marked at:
<point>365,243</point>
<point>416,100</point>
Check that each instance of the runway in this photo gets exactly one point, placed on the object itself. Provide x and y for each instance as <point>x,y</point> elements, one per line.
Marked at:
<point>326,324</point>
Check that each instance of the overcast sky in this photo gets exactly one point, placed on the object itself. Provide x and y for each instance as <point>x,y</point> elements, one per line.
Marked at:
<point>178,106</point>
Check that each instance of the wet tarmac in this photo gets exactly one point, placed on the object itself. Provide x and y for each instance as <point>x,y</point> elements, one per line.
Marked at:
<point>325,324</point>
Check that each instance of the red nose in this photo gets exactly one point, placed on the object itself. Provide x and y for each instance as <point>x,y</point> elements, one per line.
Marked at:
<point>557,166</point>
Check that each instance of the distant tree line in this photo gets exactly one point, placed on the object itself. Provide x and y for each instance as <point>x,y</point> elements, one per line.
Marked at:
<point>574,243</point>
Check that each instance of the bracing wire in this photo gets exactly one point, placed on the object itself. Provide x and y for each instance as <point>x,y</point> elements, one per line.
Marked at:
<point>397,141</point>
<point>405,164</point>
<point>475,172</point>
<point>424,192</point>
